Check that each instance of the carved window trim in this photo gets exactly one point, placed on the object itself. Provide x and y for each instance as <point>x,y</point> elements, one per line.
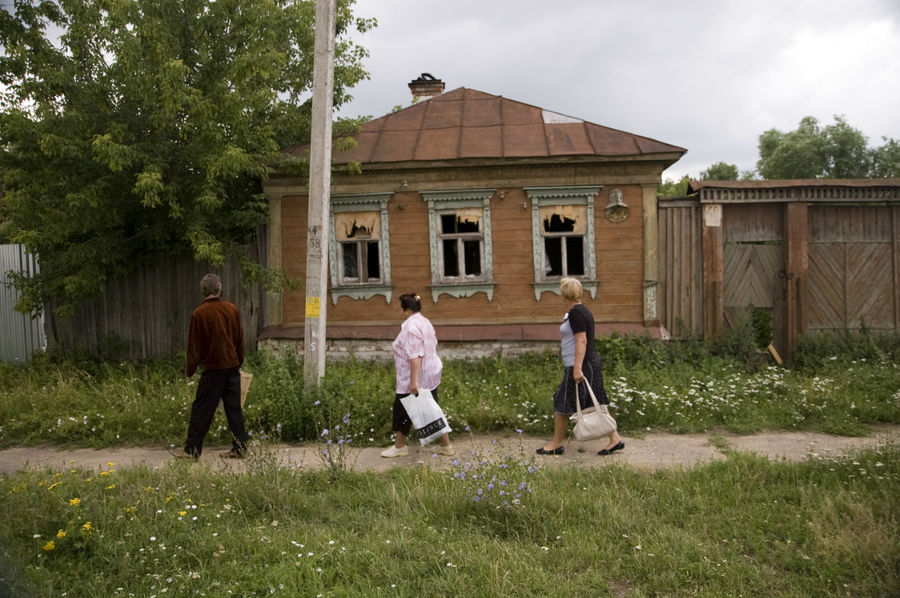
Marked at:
<point>368,202</point>
<point>542,197</point>
<point>441,201</point>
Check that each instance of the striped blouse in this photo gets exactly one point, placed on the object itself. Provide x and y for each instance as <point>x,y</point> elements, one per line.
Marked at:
<point>417,339</point>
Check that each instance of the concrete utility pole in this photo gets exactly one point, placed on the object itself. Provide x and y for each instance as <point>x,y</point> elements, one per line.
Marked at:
<point>319,196</point>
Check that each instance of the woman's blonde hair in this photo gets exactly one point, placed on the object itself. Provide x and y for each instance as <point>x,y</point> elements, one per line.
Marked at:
<point>570,289</point>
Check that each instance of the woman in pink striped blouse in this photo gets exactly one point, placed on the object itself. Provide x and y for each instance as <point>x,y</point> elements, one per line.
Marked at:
<point>417,366</point>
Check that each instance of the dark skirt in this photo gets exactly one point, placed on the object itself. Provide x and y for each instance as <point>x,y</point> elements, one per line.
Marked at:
<point>564,397</point>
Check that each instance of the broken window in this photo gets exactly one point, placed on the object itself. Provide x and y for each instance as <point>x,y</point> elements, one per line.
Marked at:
<point>359,244</point>
<point>461,243</point>
<point>563,231</point>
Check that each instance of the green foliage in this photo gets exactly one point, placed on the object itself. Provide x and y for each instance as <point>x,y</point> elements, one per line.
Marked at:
<point>825,527</point>
<point>820,349</point>
<point>886,159</point>
<point>798,154</point>
<point>147,126</point>
<point>834,151</point>
<point>670,188</point>
<point>839,385</point>
<point>720,171</point>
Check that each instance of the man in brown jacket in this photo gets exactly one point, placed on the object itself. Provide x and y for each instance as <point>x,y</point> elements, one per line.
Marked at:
<point>215,343</point>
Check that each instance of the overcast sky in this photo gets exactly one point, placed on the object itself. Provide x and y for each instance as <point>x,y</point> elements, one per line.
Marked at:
<point>706,75</point>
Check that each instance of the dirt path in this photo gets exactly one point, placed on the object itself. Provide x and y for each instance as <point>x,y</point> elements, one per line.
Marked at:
<point>653,451</point>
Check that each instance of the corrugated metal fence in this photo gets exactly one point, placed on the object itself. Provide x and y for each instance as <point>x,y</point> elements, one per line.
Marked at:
<point>20,335</point>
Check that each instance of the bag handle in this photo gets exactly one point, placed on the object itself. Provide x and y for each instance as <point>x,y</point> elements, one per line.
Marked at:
<point>593,397</point>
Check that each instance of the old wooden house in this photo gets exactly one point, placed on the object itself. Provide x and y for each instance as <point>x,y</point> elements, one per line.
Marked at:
<point>480,204</point>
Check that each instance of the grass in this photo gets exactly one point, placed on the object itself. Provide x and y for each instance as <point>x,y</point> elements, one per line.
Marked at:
<point>838,386</point>
<point>494,524</point>
<point>741,527</point>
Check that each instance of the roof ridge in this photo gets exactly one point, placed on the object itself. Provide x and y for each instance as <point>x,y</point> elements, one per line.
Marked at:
<point>462,127</point>
<point>415,148</point>
<point>502,135</point>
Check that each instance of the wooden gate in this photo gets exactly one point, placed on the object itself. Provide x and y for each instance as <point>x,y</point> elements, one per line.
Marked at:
<point>851,268</point>
<point>822,255</point>
<point>753,265</point>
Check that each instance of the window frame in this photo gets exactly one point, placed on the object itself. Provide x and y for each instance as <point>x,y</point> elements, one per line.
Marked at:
<point>442,202</point>
<point>563,196</point>
<point>368,202</point>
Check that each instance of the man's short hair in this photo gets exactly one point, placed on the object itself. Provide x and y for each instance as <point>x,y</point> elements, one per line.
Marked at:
<point>210,285</point>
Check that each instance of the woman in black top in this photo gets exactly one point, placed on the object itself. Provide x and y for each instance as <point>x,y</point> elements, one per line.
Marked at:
<point>582,365</point>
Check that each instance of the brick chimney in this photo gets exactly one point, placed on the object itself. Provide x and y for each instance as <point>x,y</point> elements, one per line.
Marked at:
<point>425,87</point>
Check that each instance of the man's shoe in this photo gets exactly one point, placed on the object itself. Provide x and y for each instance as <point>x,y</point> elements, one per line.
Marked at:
<point>612,449</point>
<point>182,455</point>
<point>232,454</point>
<point>448,450</point>
<point>557,451</point>
<point>395,452</point>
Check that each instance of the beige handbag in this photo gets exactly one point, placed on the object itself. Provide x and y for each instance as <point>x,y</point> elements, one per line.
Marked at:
<point>593,422</point>
<point>246,377</point>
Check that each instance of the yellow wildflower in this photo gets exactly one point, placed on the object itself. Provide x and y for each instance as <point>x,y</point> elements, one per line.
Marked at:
<point>110,464</point>
<point>182,513</point>
<point>111,486</point>
<point>103,474</point>
<point>49,546</point>
<point>61,534</point>
<point>75,502</point>
<point>52,486</point>
<point>87,526</point>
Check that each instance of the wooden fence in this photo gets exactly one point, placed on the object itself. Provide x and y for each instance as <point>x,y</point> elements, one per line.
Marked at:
<point>817,255</point>
<point>147,314</point>
<point>680,305</point>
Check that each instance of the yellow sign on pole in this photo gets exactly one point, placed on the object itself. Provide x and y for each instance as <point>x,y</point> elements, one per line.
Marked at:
<point>312,307</point>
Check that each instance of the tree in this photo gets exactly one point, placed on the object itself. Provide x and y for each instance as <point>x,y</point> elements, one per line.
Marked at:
<point>836,151</point>
<point>672,188</point>
<point>147,126</point>
<point>797,154</point>
<point>886,159</point>
<point>720,171</point>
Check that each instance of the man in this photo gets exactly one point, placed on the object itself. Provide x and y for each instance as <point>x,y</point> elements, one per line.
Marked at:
<point>215,342</point>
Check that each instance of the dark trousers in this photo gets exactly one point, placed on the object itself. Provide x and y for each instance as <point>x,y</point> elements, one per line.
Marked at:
<point>215,385</point>
<point>401,422</point>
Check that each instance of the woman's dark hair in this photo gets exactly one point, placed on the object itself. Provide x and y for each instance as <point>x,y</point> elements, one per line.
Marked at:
<point>411,301</point>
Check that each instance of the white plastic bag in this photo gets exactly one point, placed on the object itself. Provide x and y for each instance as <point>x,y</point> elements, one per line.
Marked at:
<point>426,415</point>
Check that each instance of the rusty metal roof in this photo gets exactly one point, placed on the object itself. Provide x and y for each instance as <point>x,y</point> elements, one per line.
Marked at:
<point>466,123</point>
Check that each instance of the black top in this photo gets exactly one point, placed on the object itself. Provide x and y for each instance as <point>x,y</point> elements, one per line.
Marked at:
<point>582,320</point>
